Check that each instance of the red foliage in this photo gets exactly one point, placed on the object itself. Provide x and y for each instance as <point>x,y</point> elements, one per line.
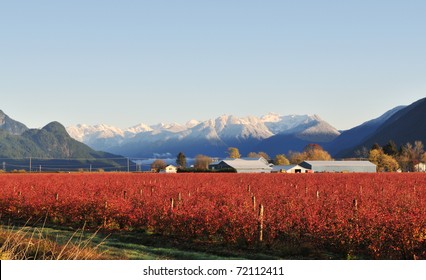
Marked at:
<point>375,216</point>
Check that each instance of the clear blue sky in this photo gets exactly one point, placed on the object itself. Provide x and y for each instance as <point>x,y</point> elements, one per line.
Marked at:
<point>125,62</point>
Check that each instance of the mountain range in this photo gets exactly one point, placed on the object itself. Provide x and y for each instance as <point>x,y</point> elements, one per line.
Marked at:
<point>272,133</point>
<point>211,137</point>
<point>49,146</point>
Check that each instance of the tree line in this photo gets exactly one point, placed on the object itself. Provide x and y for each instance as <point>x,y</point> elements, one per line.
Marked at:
<point>388,158</point>
<point>202,162</point>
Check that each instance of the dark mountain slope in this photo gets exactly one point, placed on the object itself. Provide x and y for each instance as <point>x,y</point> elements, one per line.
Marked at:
<point>52,149</point>
<point>356,135</point>
<point>407,125</point>
<point>9,125</point>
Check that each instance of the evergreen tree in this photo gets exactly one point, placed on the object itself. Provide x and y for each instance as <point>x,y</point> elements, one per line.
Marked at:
<point>376,146</point>
<point>390,148</point>
<point>181,160</point>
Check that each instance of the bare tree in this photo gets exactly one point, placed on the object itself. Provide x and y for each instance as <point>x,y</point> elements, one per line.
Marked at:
<point>158,164</point>
<point>202,162</point>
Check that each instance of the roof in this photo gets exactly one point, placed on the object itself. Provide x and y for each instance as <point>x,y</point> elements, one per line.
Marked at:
<point>247,164</point>
<point>332,163</point>
<point>250,159</point>
<point>285,167</point>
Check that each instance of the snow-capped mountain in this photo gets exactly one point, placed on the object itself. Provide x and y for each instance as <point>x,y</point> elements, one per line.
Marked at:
<point>210,137</point>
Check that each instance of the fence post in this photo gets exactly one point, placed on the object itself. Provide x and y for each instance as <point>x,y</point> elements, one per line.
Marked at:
<point>105,217</point>
<point>253,200</point>
<point>261,209</point>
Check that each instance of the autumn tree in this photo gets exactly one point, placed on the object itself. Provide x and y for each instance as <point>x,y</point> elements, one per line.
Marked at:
<point>264,155</point>
<point>310,152</point>
<point>384,162</point>
<point>233,152</point>
<point>252,155</point>
<point>389,164</point>
<point>411,155</point>
<point>316,152</point>
<point>202,162</point>
<point>296,157</point>
<point>181,160</point>
<point>158,164</point>
<point>281,160</point>
<point>259,154</point>
<point>418,151</point>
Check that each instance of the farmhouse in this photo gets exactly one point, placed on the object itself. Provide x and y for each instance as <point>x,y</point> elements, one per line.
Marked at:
<point>339,166</point>
<point>420,167</point>
<point>243,165</point>
<point>294,168</point>
<point>169,169</point>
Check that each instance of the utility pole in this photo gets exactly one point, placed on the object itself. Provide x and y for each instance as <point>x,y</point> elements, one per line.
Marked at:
<point>90,168</point>
<point>39,168</point>
<point>4,166</point>
<point>128,165</point>
<point>30,165</point>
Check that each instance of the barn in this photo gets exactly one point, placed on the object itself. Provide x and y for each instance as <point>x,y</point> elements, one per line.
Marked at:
<point>294,168</point>
<point>339,166</point>
<point>243,165</point>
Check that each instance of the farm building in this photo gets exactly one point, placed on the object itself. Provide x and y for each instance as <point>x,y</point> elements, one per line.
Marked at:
<point>169,169</point>
<point>420,167</point>
<point>339,166</point>
<point>294,168</point>
<point>243,165</point>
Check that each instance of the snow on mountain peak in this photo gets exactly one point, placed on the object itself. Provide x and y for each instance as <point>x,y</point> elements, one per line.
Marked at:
<point>139,128</point>
<point>223,129</point>
<point>271,117</point>
<point>82,132</point>
<point>192,123</point>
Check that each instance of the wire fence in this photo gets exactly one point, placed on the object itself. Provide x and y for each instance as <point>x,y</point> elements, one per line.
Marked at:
<point>34,164</point>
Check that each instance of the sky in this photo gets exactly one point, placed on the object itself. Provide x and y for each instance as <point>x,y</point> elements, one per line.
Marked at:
<point>127,62</point>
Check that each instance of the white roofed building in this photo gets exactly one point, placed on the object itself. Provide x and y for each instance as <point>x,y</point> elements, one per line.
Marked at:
<point>339,166</point>
<point>243,165</point>
<point>293,168</point>
<point>169,169</point>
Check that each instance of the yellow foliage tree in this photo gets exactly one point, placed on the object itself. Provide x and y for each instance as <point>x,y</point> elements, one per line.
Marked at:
<point>384,162</point>
<point>233,152</point>
<point>281,160</point>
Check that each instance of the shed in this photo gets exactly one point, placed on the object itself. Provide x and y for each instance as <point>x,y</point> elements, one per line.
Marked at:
<point>339,166</point>
<point>243,165</point>
<point>294,168</point>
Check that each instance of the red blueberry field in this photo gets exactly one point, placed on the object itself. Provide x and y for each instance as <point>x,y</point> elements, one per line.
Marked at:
<point>370,216</point>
